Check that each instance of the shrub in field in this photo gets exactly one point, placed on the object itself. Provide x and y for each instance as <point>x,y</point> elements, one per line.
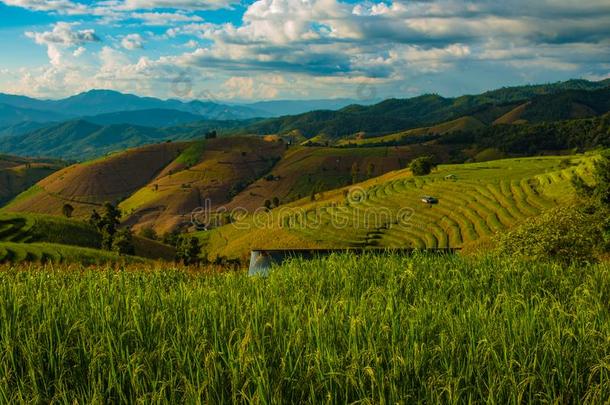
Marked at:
<point>67,210</point>
<point>422,166</point>
<point>567,234</point>
<point>122,242</point>
<point>149,233</point>
<point>188,250</point>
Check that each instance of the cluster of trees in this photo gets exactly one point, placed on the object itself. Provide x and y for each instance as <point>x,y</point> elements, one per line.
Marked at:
<point>188,248</point>
<point>422,165</point>
<point>575,233</point>
<point>273,203</point>
<point>114,238</point>
<point>529,139</point>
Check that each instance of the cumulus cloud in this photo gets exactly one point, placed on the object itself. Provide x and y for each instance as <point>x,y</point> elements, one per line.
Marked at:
<point>165,19</point>
<point>63,34</point>
<point>314,45</point>
<point>79,51</point>
<point>60,6</point>
<point>61,38</point>
<point>173,4</point>
<point>132,41</point>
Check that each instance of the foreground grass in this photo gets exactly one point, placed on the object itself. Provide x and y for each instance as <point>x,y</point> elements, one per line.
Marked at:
<point>371,329</point>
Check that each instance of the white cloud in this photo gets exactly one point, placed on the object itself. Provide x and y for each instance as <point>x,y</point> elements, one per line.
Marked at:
<point>60,6</point>
<point>79,51</point>
<point>132,41</point>
<point>62,34</point>
<point>264,87</point>
<point>320,45</point>
<point>165,19</point>
<point>173,4</point>
<point>62,38</point>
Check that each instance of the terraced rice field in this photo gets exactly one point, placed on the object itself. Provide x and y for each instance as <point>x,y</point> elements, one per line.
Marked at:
<point>475,202</point>
<point>55,253</point>
<point>16,229</point>
<point>39,238</point>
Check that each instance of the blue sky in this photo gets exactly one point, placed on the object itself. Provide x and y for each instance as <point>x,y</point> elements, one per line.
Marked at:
<point>297,49</point>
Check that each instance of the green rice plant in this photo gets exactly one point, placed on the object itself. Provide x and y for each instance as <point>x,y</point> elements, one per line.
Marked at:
<point>344,329</point>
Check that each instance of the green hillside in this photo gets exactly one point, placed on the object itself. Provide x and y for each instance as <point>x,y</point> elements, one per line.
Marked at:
<point>529,139</point>
<point>417,135</point>
<point>81,140</point>
<point>98,135</point>
<point>399,115</point>
<point>475,201</point>
<point>57,253</point>
<point>17,174</point>
<point>30,228</point>
<point>33,237</point>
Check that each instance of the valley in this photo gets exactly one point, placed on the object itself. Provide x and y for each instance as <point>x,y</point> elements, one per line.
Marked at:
<point>510,157</point>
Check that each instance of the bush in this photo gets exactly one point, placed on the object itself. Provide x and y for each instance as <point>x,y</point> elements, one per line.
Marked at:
<point>149,233</point>
<point>188,250</point>
<point>422,166</point>
<point>489,154</point>
<point>67,210</point>
<point>122,243</point>
<point>568,234</point>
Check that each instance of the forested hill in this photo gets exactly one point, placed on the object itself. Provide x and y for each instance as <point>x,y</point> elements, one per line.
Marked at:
<point>395,114</point>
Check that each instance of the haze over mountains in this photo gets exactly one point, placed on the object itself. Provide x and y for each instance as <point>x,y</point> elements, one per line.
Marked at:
<point>17,109</point>
<point>100,121</point>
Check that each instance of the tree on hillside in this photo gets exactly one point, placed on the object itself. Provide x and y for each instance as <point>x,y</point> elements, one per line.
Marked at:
<point>276,202</point>
<point>600,191</point>
<point>267,204</point>
<point>149,233</point>
<point>370,170</point>
<point>67,210</point>
<point>355,170</point>
<point>107,224</point>
<point>422,166</point>
<point>122,242</point>
<point>188,250</point>
<point>95,219</point>
<point>597,197</point>
<point>211,135</point>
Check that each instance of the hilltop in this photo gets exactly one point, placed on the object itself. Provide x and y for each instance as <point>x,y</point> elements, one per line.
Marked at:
<point>396,115</point>
<point>18,174</point>
<point>43,238</point>
<point>160,185</point>
<point>84,139</point>
<point>88,185</point>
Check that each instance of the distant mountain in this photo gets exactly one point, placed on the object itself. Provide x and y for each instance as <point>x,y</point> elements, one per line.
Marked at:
<point>11,115</point>
<point>134,125</point>
<point>24,102</point>
<point>398,115</point>
<point>97,102</point>
<point>157,118</point>
<point>278,108</point>
<point>22,128</point>
<point>80,139</point>
<point>567,105</point>
<point>18,174</point>
<point>512,94</point>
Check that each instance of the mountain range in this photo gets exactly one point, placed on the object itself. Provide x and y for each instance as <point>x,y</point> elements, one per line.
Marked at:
<point>98,122</point>
<point>112,105</point>
<point>574,99</point>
